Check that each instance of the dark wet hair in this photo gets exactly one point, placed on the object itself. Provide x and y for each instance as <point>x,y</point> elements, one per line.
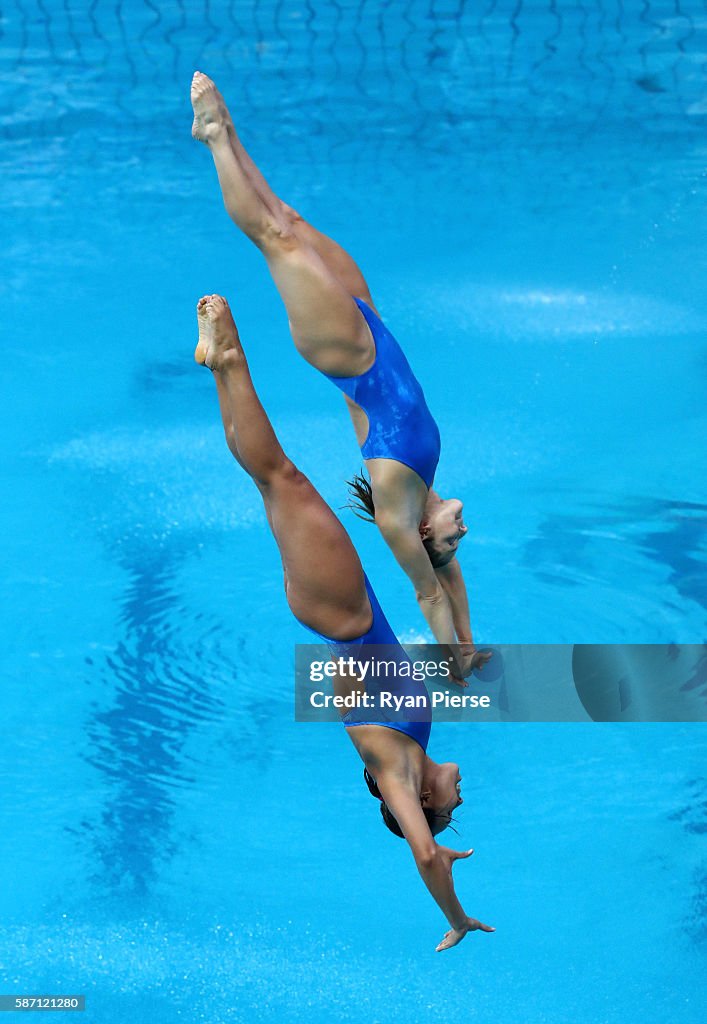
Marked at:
<point>361,504</point>
<point>388,818</point>
<point>361,498</point>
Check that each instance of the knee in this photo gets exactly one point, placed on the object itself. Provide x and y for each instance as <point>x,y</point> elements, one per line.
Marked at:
<point>279,236</point>
<point>281,473</point>
<point>291,216</point>
<point>287,473</point>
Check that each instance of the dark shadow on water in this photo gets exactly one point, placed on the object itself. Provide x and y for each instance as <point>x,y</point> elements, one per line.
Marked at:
<point>670,533</point>
<point>158,682</point>
<point>681,547</point>
<point>159,377</point>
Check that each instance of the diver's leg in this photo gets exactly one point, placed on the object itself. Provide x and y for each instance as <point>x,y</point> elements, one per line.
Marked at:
<point>324,579</point>
<point>338,261</point>
<point>254,445</point>
<point>341,264</point>
<point>327,327</point>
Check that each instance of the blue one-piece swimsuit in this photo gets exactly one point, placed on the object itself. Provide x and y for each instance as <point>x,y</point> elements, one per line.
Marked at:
<point>414,722</point>
<point>401,426</point>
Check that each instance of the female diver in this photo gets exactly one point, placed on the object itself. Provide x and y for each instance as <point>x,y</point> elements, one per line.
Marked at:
<point>336,328</point>
<point>328,592</point>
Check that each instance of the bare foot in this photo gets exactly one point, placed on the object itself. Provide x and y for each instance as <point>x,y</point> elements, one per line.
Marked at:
<point>218,341</point>
<point>211,117</point>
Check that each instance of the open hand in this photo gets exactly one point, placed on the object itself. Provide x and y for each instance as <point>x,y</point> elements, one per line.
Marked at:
<point>474,659</point>
<point>455,935</point>
<point>449,856</point>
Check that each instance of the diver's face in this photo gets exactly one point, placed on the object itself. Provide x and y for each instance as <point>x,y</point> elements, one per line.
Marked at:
<point>447,527</point>
<point>447,796</point>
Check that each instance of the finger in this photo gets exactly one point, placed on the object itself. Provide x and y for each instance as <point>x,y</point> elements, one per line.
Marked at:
<point>446,943</point>
<point>461,854</point>
<point>481,927</point>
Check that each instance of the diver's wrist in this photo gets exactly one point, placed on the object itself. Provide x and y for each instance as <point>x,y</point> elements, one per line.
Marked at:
<point>459,921</point>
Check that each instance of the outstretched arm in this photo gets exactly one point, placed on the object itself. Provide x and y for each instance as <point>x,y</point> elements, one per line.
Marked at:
<point>405,542</point>
<point>433,862</point>
<point>452,582</point>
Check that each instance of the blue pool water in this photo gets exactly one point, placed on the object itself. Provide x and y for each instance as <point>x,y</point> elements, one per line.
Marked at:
<point>524,186</point>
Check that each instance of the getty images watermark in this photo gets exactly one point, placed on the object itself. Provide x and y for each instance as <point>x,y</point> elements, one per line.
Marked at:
<point>520,683</point>
<point>377,683</point>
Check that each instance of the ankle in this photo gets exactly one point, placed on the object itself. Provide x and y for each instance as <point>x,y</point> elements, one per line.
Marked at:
<point>216,135</point>
<point>229,361</point>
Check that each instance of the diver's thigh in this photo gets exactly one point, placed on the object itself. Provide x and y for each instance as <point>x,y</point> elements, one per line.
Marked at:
<point>327,327</point>
<point>325,581</point>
